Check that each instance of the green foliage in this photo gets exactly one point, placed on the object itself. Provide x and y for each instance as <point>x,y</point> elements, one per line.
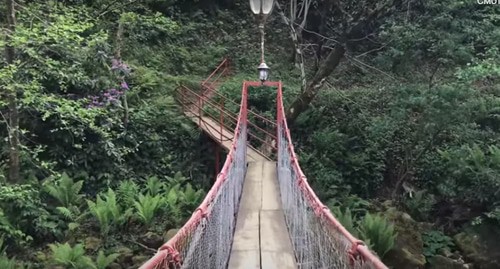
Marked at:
<point>8,263</point>
<point>127,191</point>
<point>70,257</point>
<point>65,191</point>
<point>378,233</point>
<point>472,174</point>
<point>24,216</point>
<point>10,232</point>
<point>373,229</point>
<point>154,185</point>
<point>108,212</point>
<point>419,204</point>
<point>191,198</point>
<point>435,241</point>
<point>346,219</point>
<point>103,261</point>
<point>147,205</point>
<point>355,204</point>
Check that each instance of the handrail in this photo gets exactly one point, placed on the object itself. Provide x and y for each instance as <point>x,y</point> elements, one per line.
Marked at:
<point>319,208</point>
<point>170,250</point>
<point>249,111</point>
<point>224,62</point>
<point>212,104</point>
<point>250,134</point>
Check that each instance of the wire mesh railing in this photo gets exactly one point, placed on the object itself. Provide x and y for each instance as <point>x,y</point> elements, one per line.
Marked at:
<point>204,241</point>
<point>318,238</point>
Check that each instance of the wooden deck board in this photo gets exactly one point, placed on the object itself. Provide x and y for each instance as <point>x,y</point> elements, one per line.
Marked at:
<point>260,204</point>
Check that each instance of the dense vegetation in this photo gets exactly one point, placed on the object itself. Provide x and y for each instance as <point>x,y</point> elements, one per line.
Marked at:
<point>394,106</point>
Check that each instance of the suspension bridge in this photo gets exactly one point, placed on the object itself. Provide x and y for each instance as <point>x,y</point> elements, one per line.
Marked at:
<point>261,211</point>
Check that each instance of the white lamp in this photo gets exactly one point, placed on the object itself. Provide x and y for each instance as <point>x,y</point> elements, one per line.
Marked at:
<point>263,72</point>
<point>262,7</point>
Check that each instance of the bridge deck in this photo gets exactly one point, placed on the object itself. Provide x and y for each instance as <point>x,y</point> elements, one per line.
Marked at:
<point>213,129</point>
<point>261,238</point>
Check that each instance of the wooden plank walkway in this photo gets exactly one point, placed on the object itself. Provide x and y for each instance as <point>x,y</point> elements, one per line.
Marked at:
<point>261,237</point>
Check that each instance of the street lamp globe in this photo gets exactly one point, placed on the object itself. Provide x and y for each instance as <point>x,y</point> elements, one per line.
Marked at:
<point>262,7</point>
<point>263,72</point>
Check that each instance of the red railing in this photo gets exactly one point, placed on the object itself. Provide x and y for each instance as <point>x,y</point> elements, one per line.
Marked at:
<point>328,243</point>
<point>209,85</point>
<point>204,241</point>
<point>212,104</point>
<point>204,107</point>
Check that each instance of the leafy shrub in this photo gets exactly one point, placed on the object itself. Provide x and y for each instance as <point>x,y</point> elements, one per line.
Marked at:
<point>108,212</point>
<point>67,194</point>
<point>103,261</point>
<point>65,190</point>
<point>70,257</point>
<point>21,205</point>
<point>420,204</point>
<point>346,219</point>
<point>190,197</point>
<point>378,233</point>
<point>355,204</point>
<point>11,233</point>
<point>434,241</point>
<point>154,185</point>
<point>147,205</point>
<point>7,263</point>
<point>471,174</point>
<point>127,192</point>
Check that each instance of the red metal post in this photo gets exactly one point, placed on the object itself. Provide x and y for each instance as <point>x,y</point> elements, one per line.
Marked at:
<point>221,118</point>
<point>199,111</point>
<point>217,160</point>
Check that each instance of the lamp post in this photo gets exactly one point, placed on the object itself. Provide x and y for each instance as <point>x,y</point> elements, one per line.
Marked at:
<point>262,8</point>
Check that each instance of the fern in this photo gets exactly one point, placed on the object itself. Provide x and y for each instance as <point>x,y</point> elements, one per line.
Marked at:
<point>70,257</point>
<point>178,178</point>
<point>154,186</point>
<point>65,191</point>
<point>172,196</point>
<point>65,212</point>
<point>127,191</point>
<point>171,203</point>
<point>103,261</point>
<point>107,211</point>
<point>6,263</point>
<point>147,206</point>
<point>101,213</point>
<point>346,219</point>
<point>378,233</point>
<point>192,198</point>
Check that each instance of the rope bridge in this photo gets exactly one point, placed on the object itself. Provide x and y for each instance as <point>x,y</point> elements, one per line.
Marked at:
<point>317,237</point>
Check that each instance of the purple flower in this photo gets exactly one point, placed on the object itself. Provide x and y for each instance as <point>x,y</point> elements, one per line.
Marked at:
<point>124,85</point>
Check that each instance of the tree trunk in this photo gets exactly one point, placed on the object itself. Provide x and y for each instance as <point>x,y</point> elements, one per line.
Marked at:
<point>302,102</point>
<point>13,117</point>
<point>118,57</point>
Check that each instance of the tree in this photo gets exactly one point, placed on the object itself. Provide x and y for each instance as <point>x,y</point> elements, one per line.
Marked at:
<point>13,115</point>
<point>351,24</point>
<point>296,34</point>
